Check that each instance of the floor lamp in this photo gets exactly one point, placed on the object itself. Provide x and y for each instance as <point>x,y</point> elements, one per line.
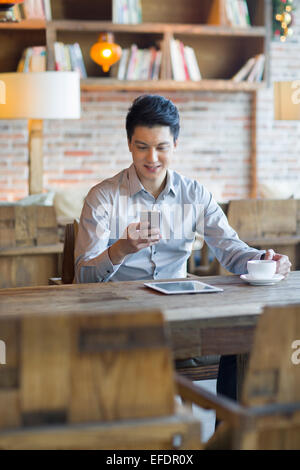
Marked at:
<point>37,96</point>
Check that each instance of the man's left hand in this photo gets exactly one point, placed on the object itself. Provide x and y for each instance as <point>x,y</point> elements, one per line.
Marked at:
<point>283,264</point>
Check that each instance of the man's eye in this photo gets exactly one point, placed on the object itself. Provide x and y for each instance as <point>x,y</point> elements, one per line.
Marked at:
<point>142,148</point>
<point>162,149</point>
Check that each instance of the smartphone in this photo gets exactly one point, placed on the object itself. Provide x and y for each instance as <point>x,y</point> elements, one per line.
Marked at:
<point>153,217</point>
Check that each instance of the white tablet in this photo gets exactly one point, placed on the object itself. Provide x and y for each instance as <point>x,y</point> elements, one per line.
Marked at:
<point>182,287</point>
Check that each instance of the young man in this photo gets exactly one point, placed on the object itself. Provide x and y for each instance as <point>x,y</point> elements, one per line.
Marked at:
<point>112,244</point>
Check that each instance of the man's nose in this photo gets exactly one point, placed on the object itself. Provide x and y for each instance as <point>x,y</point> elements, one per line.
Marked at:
<point>153,157</point>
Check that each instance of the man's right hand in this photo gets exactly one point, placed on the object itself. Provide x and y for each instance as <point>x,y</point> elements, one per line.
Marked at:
<point>135,237</point>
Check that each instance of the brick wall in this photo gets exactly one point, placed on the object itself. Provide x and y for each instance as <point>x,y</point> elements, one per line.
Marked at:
<point>214,145</point>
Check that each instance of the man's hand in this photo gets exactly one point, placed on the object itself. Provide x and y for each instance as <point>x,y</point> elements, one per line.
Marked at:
<point>135,237</point>
<point>138,236</point>
<point>283,264</point>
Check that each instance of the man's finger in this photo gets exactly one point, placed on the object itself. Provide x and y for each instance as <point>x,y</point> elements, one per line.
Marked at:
<point>133,230</point>
<point>269,254</point>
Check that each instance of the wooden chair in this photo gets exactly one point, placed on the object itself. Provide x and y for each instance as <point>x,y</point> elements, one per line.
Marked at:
<point>267,223</point>
<point>67,277</point>
<point>269,414</point>
<point>98,381</point>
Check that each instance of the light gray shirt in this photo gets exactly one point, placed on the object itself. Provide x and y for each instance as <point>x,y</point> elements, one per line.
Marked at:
<point>185,207</point>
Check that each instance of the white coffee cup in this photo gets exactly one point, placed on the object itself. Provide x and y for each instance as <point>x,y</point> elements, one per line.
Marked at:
<point>261,269</point>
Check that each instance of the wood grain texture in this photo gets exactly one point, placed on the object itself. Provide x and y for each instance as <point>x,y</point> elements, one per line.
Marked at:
<point>27,226</point>
<point>273,377</point>
<point>34,23</point>
<point>263,218</point>
<point>45,367</point>
<point>157,27</point>
<point>10,375</point>
<point>169,85</point>
<point>238,306</point>
<point>160,433</point>
<point>111,384</point>
<point>62,379</point>
<point>35,146</point>
<point>32,269</point>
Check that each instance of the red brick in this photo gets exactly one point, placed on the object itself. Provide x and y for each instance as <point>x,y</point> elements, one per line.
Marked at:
<point>79,153</point>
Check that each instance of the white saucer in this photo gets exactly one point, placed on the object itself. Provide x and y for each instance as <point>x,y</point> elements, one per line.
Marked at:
<point>262,282</point>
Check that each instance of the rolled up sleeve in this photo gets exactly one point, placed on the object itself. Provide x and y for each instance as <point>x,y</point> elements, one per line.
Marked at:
<point>92,261</point>
<point>223,240</point>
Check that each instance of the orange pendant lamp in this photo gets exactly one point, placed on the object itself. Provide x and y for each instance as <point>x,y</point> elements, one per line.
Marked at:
<point>105,52</point>
<point>6,10</point>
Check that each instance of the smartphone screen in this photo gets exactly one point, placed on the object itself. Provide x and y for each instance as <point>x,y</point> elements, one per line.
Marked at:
<point>153,217</point>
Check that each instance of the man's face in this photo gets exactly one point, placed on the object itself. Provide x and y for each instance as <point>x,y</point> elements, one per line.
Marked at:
<point>152,150</point>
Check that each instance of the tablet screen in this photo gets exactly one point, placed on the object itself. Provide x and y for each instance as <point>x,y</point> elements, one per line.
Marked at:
<point>180,287</point>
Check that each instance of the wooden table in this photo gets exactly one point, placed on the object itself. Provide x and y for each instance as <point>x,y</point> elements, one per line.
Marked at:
<point>218,323</point>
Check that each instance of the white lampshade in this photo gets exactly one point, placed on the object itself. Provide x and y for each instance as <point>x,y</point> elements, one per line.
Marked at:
<point>40,95</point>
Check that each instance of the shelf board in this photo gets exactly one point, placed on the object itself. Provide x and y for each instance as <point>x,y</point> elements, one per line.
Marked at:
<point>90,84</point>
<point>205,30</point>
<point>35,23</point>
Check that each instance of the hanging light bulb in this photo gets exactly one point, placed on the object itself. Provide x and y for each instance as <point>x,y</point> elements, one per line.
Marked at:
<point>6,10</point>
<point>105,52</point>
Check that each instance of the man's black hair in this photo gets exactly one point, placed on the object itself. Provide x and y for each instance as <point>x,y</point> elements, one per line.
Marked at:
<point>151,111</point>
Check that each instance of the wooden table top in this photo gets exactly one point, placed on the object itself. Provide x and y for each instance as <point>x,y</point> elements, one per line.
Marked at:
<point>215,323</point>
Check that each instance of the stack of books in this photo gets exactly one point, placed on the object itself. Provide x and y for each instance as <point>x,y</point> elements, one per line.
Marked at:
<point>237,12</point>
<point>33,60</point>
<point>252,71</point>
<point>184,62</point>
<point>139,64</point>
<point>69,57</point>
<point>33,9</point>
<point>127,11</point>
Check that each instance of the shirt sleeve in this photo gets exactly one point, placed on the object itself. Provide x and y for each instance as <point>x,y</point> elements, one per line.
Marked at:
<point>223,240</point>
<point>92,261</point>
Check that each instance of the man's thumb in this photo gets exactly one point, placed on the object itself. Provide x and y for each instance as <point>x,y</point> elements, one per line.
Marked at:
<point>269,254</point>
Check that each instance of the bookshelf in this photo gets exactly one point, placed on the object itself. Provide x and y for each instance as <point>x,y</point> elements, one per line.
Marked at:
<point>220,48</point>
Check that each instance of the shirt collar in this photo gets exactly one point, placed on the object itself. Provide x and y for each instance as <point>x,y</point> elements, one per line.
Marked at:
<point>135,185</point>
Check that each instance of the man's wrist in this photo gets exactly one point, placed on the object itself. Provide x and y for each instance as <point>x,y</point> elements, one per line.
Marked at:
<point>116,252</point>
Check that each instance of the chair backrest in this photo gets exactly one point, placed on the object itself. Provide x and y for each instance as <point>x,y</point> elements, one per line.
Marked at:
<point>273,374</point>
<point>91,381</point>
<point>258,218</point>
<point>71,231</point>
<point>272,382</point>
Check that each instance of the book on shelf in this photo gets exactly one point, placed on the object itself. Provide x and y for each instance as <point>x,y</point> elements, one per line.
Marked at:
<point>184,62</point>
<point>139,64</point>
<point>68,57</point>
<point>127,11</point>
<point>33,9</point>
<point>252,70</point>
<point>33,60</point>
<point>256,73</point>
<point>237,13</point>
